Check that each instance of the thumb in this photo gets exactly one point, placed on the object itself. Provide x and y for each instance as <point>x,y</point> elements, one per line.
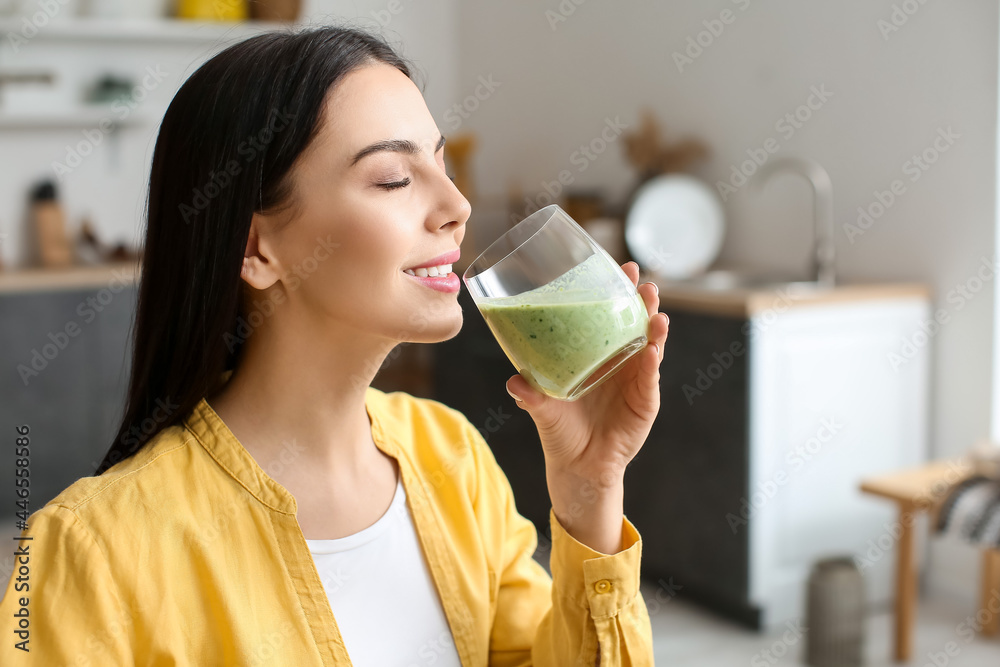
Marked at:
<point>538,405</point>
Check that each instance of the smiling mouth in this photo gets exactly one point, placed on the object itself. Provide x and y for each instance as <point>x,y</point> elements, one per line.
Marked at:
<point>430,271</point>
<point>435,266</point>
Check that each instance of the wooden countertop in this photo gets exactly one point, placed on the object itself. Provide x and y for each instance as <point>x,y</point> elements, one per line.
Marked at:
<point>17,281</point>
<point>745,302</point>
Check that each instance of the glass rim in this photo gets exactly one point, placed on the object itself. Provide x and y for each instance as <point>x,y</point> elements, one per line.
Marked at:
<point>466,275</point>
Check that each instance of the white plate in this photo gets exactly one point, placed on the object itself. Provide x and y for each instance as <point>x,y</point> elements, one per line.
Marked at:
<point>675,226</point>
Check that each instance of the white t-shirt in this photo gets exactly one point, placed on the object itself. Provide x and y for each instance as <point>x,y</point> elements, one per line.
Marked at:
<point>382,594</point>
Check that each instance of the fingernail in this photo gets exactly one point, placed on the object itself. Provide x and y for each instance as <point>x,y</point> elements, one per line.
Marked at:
<point>513,395</point>
<point>657,346</point>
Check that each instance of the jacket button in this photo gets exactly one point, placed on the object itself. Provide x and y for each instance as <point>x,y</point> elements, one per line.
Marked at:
<point>603,586</point>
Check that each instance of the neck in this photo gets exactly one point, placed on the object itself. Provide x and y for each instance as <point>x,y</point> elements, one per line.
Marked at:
<point>293,401</point>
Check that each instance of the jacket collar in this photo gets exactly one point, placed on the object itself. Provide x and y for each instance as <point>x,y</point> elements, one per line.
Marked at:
<point>222,445</point>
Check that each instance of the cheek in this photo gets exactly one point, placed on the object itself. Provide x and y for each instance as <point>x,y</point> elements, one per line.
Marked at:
<point>374,251</point>
<point>356,237</point>
<point>362,271</point>
<point>360,249</point>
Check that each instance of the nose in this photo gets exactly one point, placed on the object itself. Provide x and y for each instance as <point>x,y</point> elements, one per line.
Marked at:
<point>453,210</point>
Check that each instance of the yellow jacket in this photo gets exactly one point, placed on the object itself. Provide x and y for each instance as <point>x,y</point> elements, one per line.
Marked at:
<point>189,554</point>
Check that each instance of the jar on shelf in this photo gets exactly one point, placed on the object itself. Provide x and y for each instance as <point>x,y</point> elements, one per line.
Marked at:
<point>213,10</point>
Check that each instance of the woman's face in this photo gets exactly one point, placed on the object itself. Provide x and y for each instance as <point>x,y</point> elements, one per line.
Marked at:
<point>371,199</point>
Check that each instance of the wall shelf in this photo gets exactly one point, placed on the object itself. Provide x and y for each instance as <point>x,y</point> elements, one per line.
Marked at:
<point>142,30</point>
<point>91,116</point>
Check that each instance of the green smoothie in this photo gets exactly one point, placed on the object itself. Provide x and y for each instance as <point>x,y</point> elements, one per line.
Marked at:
<point>560,342</point>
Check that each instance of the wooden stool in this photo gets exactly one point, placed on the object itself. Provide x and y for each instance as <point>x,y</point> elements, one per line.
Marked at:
<point>990,591</point>
<point>915,491</point>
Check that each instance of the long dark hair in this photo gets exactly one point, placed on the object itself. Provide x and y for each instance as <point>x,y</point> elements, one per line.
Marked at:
<point>224,150</point>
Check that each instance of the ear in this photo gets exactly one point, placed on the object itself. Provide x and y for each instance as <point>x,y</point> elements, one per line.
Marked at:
<point>260,270</point>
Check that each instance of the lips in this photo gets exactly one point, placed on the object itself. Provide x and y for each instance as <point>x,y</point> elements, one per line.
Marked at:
<point>449,283</point>
<point>447,258</point>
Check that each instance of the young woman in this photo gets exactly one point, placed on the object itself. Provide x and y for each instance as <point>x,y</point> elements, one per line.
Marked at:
<point>285,512</point>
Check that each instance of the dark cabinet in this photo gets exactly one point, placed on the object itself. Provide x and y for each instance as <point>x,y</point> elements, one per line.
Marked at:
<point>67,387</point>
<point>693,471</point>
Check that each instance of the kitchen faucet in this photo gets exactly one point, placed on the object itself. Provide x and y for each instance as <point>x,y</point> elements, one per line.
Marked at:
<point>824,253</point>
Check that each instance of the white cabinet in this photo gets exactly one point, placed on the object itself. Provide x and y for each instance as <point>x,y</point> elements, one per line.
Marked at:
<point>774,407</point>
<point>835,395</point>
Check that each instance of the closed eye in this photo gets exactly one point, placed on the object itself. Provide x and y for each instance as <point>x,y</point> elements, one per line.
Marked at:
<point>402,184</point>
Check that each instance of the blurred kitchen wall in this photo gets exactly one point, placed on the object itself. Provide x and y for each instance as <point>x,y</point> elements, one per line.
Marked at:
<point>562,73</point>
<point>427,32</point>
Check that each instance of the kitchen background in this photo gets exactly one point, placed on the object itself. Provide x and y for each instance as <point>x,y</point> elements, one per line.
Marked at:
<point>555,100</point>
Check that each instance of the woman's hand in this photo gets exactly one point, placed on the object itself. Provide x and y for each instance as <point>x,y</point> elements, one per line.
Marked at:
<point>588,442</point>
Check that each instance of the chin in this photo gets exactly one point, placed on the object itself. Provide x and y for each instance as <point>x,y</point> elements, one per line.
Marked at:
<point>447,333</point>
<point>438,329</point>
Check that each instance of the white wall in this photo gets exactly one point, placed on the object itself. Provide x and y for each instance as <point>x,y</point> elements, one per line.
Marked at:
<point>425,31</point>
<point>890,97</point>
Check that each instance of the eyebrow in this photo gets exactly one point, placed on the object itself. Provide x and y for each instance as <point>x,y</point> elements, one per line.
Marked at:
<point>395,145</point>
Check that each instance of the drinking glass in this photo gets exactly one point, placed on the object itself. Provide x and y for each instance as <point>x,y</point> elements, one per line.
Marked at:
<point>559,305</point>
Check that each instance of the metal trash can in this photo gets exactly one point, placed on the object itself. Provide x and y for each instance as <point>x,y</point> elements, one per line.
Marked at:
<point>835,614</point>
